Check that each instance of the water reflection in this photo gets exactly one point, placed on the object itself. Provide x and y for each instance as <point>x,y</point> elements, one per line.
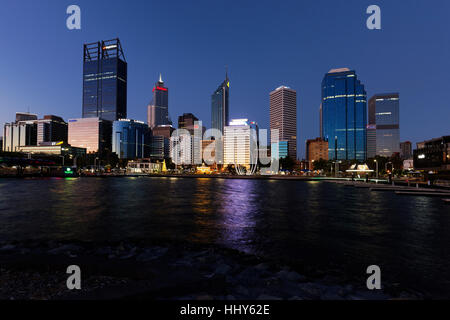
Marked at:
<point>238,208</point>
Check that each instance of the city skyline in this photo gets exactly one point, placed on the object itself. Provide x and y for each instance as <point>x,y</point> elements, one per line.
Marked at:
<point>302,69</point>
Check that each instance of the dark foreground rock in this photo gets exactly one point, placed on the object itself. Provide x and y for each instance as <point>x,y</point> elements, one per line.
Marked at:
<point>132,271</point>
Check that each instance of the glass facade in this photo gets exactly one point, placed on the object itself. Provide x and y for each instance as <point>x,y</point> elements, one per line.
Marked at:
<point>384,114</point>
<point>93,134</point>
<point>344,115</point>
<point>158,109</point>
<point>220,106</point>
<point>130,139</point>
<point>104,81</point>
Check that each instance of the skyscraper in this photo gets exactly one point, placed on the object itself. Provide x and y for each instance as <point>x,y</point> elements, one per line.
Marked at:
<point>344,112</point>
<point>220,106</point>
<point>158,109</point>
<point>384,116</point>
<point>104,81</point>
<point>130,139</point>
<point>283,116</point>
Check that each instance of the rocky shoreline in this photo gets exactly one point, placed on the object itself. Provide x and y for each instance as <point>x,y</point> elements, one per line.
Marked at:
<point>129,270</point>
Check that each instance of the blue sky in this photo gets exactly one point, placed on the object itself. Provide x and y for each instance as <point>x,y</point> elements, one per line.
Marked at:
<point>264,43</point>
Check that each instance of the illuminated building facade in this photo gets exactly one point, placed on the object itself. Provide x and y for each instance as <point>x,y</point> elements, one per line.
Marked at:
<point>433,155</point>
<point>344,115</point>
<point>283,117</point>
<point>130,139</point>
<point>158,109</point>
<point>241,143</point>
<point>93,134</point>
<point>54,148</point>
<point>50,129</point>
<point>384,118</point>
<point>104,81</point>
<point>22,132</point>
<point>316,149</point>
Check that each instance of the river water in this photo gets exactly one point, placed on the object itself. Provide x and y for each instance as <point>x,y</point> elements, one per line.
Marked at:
<point>318,224</point>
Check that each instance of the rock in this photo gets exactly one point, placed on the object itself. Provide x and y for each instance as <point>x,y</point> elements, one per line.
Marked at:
<point>130,254</point>
<point>65,248</point>
<point>223,269</point>
<point>204,297</point>
<point>242,291</point>
<point>152,254</point>
<point>290,276</point>
<point>7,248</point>
<point>267,297</point>
<point>262,267</point>
<point>312,290</point>
<point>104,251</point>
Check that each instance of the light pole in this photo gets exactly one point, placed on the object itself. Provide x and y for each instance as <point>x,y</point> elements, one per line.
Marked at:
<point>376,162</point>
<point>62,160</point>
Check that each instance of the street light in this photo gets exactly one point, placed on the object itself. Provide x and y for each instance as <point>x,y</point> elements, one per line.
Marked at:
<point>392,166</point>
<point>377,167</point>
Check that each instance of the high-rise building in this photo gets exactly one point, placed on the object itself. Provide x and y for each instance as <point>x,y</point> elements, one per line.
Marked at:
<point>384,115</point>
<point>241,143</point>
<point>316,149</point>
<point>406,150</point>
<point>190,122</point>
<point>93,134</point>
<point>104,81</point>
<point>51,129</point>
<point>220,106</point>
<point>159,148</point>
<point>22,132</point>
<point>371,133</point>
<point>158,109</point>
<point>130,139</point>
<point>344,115</point>
<point>283,116</point>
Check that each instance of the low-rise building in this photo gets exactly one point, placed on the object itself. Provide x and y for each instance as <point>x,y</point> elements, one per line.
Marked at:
<point>433,155</point>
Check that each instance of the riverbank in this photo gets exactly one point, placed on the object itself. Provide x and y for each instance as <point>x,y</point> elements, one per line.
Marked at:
<point>164,271</point>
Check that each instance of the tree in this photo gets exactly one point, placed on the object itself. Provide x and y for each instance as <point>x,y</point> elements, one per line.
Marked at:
<point>287,163</point>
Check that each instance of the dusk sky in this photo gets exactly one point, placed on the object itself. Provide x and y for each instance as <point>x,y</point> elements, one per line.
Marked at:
<point>265,44</point>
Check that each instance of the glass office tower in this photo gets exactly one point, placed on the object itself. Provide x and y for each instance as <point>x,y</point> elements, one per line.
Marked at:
<point>220,106</point>
<point>130,139</point>
<point>384,115</point>
<point>344,115</point>
<point>104,81</point>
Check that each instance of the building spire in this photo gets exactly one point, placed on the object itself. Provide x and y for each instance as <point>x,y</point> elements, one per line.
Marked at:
<point>160,78</point>
<point>226,72</point>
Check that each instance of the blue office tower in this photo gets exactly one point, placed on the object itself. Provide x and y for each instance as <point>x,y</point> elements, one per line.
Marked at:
<point>131,139</point>
<point>344,115</point>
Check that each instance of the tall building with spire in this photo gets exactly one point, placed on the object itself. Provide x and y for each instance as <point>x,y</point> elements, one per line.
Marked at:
<point>158,109</point>
<point>220,115</point>
<point>220,105</point>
